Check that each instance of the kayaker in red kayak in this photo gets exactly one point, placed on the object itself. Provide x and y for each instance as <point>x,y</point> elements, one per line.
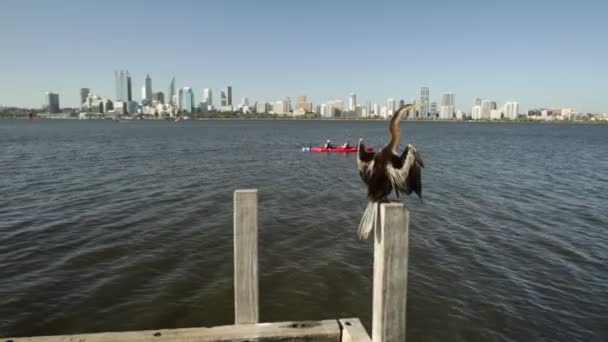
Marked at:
<point>328,144</point>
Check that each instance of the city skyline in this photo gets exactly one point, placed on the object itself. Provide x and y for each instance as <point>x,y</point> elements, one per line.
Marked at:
<point>540,65</point>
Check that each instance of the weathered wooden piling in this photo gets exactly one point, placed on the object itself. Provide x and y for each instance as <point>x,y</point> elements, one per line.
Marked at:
<point>390,274</point>
<point>246,256</point>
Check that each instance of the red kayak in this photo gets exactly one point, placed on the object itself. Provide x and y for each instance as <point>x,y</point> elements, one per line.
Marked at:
<point>335,149</point>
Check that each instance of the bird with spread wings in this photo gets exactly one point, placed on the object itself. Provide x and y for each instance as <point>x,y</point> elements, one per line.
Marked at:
<point>387,171</point>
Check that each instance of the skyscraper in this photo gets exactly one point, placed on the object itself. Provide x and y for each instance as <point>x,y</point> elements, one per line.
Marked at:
<point>223,98</point>
<point>424,102</point>
<point>390,106</point>
<point>227,95</point>
<point>208,97</point>
<point>123,85</point>
<point>147,90</point>
<point>478,101</point>
<point>352,102</point>
<point>172,92</point>
<point>186,99</point>
<point>486,108</point>
<point>51,102</point>
<point>448,106</point>
<point>84,93</point>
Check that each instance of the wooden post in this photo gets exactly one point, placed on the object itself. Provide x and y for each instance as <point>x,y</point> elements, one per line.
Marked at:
<point>390,274</point>
<point>246,256</point>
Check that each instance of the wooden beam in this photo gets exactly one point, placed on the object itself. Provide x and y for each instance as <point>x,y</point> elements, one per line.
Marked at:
<point>321,331</point>
<point>246,256</point>
<point>353,330</point>
<point>390,274</point>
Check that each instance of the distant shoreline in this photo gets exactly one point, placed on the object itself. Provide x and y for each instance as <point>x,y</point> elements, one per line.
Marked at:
<point>244,118</point>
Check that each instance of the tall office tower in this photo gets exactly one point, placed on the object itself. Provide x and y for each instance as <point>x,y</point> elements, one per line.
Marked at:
<point>390,106</point>
<point>478,101</point>
<point>228,95</point>
<point>424,102</point>
<point>51,102</point>
<point>448,106</point>
<point>223,98</point>
<point>147,89</point>
<point>511,110</point>
<point>84,93</point>
<point>352,102</point>
<point>172,92</point>
<point>187,99</point>
<point>123,86</point>
<point>208,97</point>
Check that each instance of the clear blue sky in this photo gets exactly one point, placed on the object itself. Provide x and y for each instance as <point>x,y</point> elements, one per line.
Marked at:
<point>540,53</point>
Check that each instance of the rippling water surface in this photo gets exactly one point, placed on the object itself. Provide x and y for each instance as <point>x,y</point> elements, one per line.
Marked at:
<point>127,226</point>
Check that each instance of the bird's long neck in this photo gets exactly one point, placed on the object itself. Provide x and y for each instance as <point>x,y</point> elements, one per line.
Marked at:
<point>394,129</point>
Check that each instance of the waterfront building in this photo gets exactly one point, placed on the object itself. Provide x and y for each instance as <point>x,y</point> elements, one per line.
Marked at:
<point>390,107</point>
<point>323,111</point>
<point>226,96</point>
<point>424,109</point>
<point>84,92</point>
<point>352,102</point>
<point>123,86</point>
<point>448,106</point>
<point>172,94</point>
<point>486,108</point>
<point>478,101</point>
<point>476,112</point>
<point>51,102</point>
<point>146,92</point>
<point>187,99</point>
<point>376,109</point>
<point>159,97</point>
<point>302,104</point>
<point>495,114</point>
<point>208,97</point>
<point>511,110</point>
<point>281,107</point>
<point>433,109</point>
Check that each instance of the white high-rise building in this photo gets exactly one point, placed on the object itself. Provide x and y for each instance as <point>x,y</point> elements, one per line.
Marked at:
<point>476,112</point>
<point>495,114</point>
<point>208,97</point>
<point>390,106</point>
<point>384,112</point>
<point>376,109</point>
<point>424,109</point>
<point>352,102</point>
<point>448,106</point>
<point>486,108</point>
<point>323,111</point>
<point>511,110</point>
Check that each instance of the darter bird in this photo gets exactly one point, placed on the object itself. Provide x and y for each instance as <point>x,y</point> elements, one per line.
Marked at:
<point>386,171</point>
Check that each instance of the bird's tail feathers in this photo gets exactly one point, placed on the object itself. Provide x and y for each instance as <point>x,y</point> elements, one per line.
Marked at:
<point>369,220</point>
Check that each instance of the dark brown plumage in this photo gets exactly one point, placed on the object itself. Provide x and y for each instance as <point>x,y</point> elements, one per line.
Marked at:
<point>386,171</point>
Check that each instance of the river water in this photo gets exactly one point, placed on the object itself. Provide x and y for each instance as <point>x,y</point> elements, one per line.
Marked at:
<point>109,226</point>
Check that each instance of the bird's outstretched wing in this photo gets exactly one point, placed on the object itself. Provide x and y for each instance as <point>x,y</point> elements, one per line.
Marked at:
<point>365,162</point>
<point>405,172</point>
